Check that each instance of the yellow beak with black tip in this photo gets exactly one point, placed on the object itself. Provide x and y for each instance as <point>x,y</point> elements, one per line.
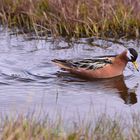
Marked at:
<point>135,65</point>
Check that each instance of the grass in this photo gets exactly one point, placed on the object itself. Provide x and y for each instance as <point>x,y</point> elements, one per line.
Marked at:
<point>105,128</point>
<point>73,18</point>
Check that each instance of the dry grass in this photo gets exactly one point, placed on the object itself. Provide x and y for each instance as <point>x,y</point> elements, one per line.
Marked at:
<point>105,128</point>
<point>78,18</point>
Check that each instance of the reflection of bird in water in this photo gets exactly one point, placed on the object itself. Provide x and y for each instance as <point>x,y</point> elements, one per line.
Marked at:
<point>128,95</point>
<point>99,67</point>
<point>118,83</point>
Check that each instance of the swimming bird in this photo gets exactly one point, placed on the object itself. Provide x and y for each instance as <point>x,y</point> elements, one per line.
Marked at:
<point>100,67</point>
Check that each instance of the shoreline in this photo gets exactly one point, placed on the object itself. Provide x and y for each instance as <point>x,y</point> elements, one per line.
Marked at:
<point>104,127</point>
<point>103,18</point>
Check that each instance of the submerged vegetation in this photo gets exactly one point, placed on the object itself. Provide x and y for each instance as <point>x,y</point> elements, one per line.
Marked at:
<point>73,18</point>
<point>28,128</point>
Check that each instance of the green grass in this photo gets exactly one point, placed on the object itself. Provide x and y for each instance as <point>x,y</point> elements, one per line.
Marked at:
<point>103,128</point>
<point>73,18</point>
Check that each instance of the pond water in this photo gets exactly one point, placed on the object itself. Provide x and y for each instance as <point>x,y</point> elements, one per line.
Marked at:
<point>30,82</point>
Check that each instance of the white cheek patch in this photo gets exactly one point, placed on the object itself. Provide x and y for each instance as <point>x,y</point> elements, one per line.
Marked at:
<point>129,55</point>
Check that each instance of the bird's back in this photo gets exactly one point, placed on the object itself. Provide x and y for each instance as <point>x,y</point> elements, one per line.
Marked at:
<point>88,64</point>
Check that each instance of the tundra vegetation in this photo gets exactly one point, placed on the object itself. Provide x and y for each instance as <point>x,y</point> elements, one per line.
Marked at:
<point>104,128</point>
<point>73,18</point>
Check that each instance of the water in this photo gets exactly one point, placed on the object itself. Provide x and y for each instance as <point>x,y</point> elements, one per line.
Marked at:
<point>30,82</point>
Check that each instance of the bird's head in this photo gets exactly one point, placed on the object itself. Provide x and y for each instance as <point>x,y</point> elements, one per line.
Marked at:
<point>132,56</point>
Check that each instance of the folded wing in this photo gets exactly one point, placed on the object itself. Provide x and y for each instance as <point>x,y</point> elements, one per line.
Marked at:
<point>88,64</point>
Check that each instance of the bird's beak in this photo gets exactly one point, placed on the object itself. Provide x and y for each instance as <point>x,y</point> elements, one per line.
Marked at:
<point>135,65</point>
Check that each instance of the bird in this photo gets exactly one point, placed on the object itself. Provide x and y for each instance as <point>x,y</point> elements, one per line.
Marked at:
<point>107,66</point>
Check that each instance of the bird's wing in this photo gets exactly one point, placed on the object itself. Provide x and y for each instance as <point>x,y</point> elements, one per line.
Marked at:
<point>89,64</point>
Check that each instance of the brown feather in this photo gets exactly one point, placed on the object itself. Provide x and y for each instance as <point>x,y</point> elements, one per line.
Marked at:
<point>61,64</point>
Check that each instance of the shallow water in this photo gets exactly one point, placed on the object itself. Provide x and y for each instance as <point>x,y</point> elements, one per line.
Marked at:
<point>30,82</point>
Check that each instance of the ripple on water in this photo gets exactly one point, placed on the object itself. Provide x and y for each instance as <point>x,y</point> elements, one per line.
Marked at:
<point>28,78</point>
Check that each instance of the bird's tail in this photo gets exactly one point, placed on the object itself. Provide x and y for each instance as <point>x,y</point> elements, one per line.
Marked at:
<point>62,64</point>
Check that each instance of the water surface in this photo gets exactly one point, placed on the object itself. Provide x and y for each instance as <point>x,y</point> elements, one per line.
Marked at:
<point>29,81</point>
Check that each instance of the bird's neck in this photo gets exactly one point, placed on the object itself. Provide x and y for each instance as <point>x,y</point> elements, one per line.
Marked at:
<point>123,57</point>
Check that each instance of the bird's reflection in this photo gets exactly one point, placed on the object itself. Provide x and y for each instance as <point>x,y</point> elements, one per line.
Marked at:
<point>128,95</point>
<point>118,83</point>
